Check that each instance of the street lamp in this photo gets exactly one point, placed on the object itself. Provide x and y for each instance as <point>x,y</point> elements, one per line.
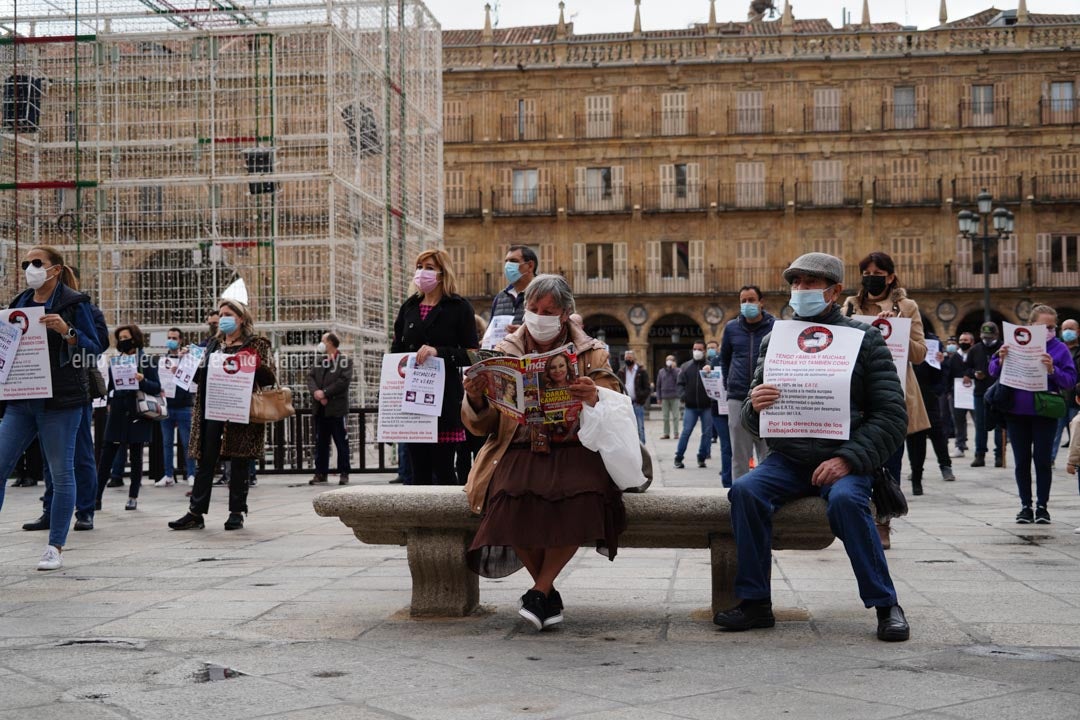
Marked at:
<point>969,228</point>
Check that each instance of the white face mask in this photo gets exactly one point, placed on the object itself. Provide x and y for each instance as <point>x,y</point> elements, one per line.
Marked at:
<point>699,354</point>
<point>543,328</point>
<point>671,363</point>
<point>321,347</point>
<point>36,276</point>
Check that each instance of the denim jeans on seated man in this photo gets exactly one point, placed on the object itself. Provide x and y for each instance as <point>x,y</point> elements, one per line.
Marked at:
<point>692,416</point>
<point>639,413</point>
<point>755,497</point>
<point>56,430</point>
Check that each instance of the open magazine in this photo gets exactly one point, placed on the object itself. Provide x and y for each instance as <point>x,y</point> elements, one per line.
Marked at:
<point>531,388</point>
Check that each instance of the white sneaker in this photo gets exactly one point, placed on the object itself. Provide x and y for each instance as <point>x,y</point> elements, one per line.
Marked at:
<point>50,559</point>
<point>957,452</point>
<point>1076,531</point>
<point>191,480</point>
<point>164,482</point>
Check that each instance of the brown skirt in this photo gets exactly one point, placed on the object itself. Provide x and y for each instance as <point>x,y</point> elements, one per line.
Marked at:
<point>540,500</point>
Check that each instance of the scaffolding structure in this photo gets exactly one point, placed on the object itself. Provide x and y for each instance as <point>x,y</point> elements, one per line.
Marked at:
<point>167,147</point>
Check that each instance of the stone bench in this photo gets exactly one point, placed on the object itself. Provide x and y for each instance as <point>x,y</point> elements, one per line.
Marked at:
<point>435,524</point>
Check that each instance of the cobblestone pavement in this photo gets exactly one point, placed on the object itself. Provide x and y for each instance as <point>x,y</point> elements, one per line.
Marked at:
<point>141,621</point>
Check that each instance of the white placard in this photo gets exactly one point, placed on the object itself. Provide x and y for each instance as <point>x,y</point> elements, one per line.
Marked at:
<point>424,386</point>
<point>963,396</point>
<point>713,382</point>
<point>167,375</point>
<point>30,376</point>
<point>496,331</point>
<point>933,347</point>
<point>123,369</point>
<point>811,364</point>
<point>229,382</point>
<point>394,425</point>
<point>189,365</point>
<point>10,336</point>
<point>1023,368</point>
<point>897,334</point>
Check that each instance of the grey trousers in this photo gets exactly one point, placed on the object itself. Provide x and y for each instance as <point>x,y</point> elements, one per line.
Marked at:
<point>671,411</point>
<point>743,444</point>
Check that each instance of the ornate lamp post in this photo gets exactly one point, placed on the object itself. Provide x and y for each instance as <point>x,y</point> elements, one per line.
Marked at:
<point>969,228</point>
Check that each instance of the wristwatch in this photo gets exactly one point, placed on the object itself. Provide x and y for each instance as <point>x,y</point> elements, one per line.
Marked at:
<point>70,333</point>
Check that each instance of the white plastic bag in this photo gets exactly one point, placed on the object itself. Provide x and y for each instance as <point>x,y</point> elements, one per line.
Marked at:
<point>610,428</point>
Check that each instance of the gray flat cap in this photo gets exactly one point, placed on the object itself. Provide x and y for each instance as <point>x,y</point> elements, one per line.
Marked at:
<point>818,264</point>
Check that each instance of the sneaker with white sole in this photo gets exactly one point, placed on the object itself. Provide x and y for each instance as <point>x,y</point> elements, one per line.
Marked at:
<point>1076,531</point>
<point>50,559</point>
<point>165,482</point>
<point>957,452</point>
<point>191,480</point>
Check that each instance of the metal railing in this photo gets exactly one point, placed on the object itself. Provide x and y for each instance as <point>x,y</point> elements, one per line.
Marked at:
<point>1059,188</point>
<point>540,200</point>
<point>1060,111</point>
<point>905,116</point>
<point>1005,189</point>
<point>829,194</point>
<point>750,121</point>
<point>467,203</point>
<point>458,129</point>
<point>598,125</point>
<point>907,192</point>
<point>675,197</point>
<point>585,199</point>
<point>751,196</point>
<point>826,119</point>
<point>973,114</point>
<point>522,128</point>
<point>674,123</point>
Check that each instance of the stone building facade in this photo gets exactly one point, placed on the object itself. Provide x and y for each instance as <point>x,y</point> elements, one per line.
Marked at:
<point>661,171</point>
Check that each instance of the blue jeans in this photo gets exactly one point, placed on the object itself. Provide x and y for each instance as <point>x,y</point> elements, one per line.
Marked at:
<point>778,479</point>
<point>404,466</point>
<point>691,416</point>
<point>639,413</point>
<point>85,470</point>
<point>720,424</point>
<point>1030,437</point>
<point>981,429</point>
<point>1062,424</point>
<point>179,420</point>
<point>56,431</point>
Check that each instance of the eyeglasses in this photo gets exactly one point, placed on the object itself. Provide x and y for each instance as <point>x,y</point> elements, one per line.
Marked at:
<point>36,262</point>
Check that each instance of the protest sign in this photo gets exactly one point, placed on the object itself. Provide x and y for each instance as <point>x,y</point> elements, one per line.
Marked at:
<point>897,334</point>
<point>1023,368</point>
<point>229,382</point>
<point>30,374</point>
<point>424,385</point>
<point>395,425</point>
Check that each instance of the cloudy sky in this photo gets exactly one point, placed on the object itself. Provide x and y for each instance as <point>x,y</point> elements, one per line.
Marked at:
<point>594,16</point>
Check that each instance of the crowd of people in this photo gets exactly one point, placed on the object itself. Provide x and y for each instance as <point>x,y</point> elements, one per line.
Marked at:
<point>540,492</point>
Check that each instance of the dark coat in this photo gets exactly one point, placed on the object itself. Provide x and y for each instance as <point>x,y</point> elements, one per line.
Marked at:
<point>238,441</point>
<point>641,391</point>
<point>691,388</point>
<point>739,353</point>
<point>124,424</point>
<point>978,360</point>
<point>450,328</point>
<point>878,408</point>
<point>333,377</point>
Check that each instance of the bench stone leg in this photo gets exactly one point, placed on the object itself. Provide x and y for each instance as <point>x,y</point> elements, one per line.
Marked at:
<point>723,573</point>
<point>442,584</point>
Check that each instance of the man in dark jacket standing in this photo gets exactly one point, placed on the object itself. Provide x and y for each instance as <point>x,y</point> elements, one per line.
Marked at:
<point>978,369</point>
<point>519,267</point>
<point>635,379</point>
<point>698,406</point>
<point>738,358</point>
<point>840,471</point>
<point>328,382</point>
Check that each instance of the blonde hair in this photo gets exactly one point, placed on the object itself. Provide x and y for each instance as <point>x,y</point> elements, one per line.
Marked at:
<point>1037,310</point>
<point>442,259</point>
<point>247,323</point>
<point>481,326</point>
<point>67,275</point>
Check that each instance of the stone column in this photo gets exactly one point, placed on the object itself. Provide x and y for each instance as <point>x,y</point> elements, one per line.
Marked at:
<point>442,585</point>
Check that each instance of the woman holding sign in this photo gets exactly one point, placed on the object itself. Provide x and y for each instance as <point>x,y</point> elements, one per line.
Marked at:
<point>212,440</point>
<point>437,322</point>
<point>1029,420</point>
<point>46,384</point>
<point>881,296</point>
<point>124,425</point>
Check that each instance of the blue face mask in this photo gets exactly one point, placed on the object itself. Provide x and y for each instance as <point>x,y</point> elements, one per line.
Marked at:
<point>172,344</point>
<point>710,353</point>
<point>227,324</point>
<point>1068,335</point>
<point>749,310</point>
<point>951,348</point>
<point>512,271</point>
<point>808,303</point>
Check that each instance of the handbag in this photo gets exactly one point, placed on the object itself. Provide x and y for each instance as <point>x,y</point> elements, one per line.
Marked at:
<point>151,407</point>
<point>610,428</point>
<point>887,496</point>
<point>1049,405</point>
<point>998,400</point>
<point>98,387</point>
<point>268,405</point>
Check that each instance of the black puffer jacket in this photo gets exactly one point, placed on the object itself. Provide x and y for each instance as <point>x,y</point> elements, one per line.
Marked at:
<point>878,408</point>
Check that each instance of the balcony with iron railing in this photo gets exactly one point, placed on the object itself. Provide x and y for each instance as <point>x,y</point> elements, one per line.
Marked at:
<point>976,114</point>
<point>594,200</point>
<point>1007,190</point>
<point>523,127</point>
<point>1058,188</point>
<point>598,125</point>
<point>905,116</point>
<point>1059,111</point>
<point>675,197</point>
<point>826,119</point>
<point>509,201</point>
<point>674,123</point>
<point>907,192</point>
<point>464,203</point>
<point>828,194</point>
<point>750,196</point>
<point>750,121</point>
<point>457,129</point>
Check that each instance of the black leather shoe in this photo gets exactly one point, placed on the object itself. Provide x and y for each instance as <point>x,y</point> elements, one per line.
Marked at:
<point>746,616</point>
<point>42,523</point>
<point>343,480</point>
<point>979,461</point>
<point>86,522</point>
<point>115,482</point>
<point>190,521</point>
<point>235,521</point>
<point>317,480</point>
<point>892,626</point>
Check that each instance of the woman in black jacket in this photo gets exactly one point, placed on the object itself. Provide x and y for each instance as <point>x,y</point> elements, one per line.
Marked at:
<point>437,322</point>
<point>124,425</point>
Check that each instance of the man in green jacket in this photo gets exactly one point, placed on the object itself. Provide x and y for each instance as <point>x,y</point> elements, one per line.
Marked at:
<point>840,471</point>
